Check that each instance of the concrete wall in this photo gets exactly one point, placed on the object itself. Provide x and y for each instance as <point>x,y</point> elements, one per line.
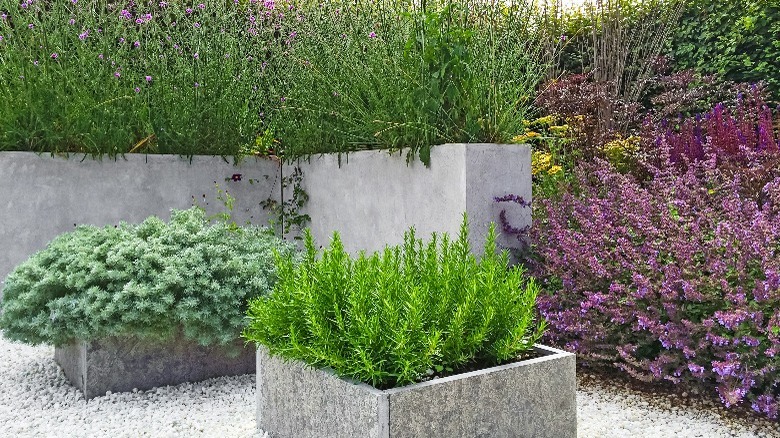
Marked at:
<point>43,196</point>
<point>372,197</point>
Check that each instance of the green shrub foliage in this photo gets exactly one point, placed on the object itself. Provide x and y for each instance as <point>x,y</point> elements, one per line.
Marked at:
<point>393,317</point>
<point>146,280</point>
<point>739,40</point>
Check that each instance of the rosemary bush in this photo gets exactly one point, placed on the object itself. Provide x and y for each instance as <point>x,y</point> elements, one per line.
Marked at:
<point>146,280</point>
<point>392,317</point>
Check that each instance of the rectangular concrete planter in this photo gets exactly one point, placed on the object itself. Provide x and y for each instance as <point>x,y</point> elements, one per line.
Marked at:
<point>532,398</point>
<point>372,197</point>
<point>125,364</point>
<point>43,196</point>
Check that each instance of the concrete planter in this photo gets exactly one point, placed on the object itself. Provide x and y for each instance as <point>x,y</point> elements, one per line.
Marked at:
<point>125,364</point>
<point>372,197</point>
<point>44,196</point>
<point>533,398</point>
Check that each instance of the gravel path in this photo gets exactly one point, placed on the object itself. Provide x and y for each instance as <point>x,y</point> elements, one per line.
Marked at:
<point>36,401</point>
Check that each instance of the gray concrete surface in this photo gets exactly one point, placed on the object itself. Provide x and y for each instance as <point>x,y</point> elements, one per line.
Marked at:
<point>43,196</point>
<point>125,364</point>
<point>373,196</point>
<point>371,199</point>
<point>297,401</point>
<point>534,398</point>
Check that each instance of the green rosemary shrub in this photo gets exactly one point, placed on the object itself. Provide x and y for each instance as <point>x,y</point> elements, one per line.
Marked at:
<point>391,318</point>
<point>148,280</point>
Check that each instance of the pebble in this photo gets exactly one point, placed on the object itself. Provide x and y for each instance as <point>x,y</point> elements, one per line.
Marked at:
<point>37,401</point>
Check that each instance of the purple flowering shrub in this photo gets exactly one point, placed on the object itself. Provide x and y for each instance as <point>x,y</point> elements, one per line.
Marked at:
<point>735,133</point>
<point>676,278</point>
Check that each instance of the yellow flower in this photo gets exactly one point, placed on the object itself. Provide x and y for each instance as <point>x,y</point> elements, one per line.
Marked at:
<point>559,130</point>
<point>519,139</point>
<point>540,162</point>
<point>532,134</point>
<point>546,120</point>
<point>554,169</point>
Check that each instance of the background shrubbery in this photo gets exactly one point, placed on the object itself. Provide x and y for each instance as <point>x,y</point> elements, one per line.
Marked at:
<point>396,317</point>
<point>738,40</point>
<point>655,235</point>
<point>148,280</point>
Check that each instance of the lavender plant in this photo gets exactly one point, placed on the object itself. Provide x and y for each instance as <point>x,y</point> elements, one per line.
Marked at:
<point>223,77</point>
<point>391,74</point>
<point>132,76</point>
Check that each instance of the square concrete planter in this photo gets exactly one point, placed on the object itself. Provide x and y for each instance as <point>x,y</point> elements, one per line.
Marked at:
<point>532,398</point>
<point>124,364</point>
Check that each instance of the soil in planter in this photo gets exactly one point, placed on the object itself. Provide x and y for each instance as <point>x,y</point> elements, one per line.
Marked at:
<point>475,365</point>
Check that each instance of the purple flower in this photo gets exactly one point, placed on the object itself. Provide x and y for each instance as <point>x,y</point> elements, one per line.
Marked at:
<point>201,6</point>
<point>188,11</point>
<point>148,79</point>
<point>372,35</point>
<point>121,40</point>
<point>84,35</point>
<point>137,44</point>
<point>695,369</point>
<point>1,38</point>
<point>117,74</point>
<point>30,26</point>
<point>100,56</point>
<point>35,62</point>
<point>137,90</point>
<point>197,25</point>
<point>125,14</point>
<point>54,55</point>
<point>197,85</point>
<point>163,4</point>
<point>196,56</point>
<point>71,21</point>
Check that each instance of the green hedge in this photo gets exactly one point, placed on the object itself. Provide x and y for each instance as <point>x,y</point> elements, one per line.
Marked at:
<point>739,40</point>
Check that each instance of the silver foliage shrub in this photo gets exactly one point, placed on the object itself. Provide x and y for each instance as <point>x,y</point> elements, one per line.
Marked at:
<point>148,280</point>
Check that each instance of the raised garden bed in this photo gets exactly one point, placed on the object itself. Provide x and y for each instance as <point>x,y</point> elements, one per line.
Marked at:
<point>127,364</point>
<point>533,398</point>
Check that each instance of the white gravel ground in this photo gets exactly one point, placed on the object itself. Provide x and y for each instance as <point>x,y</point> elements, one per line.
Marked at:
<point>36,401</point>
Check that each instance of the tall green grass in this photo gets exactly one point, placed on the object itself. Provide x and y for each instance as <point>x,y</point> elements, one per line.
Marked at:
<point>401,74</point>
<point>238,76</point>
<point>84,76</point>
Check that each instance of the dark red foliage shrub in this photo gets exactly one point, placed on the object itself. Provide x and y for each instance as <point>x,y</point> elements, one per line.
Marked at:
<point>687,93</point>
<point>676,279</point>
<point>596,116</point>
